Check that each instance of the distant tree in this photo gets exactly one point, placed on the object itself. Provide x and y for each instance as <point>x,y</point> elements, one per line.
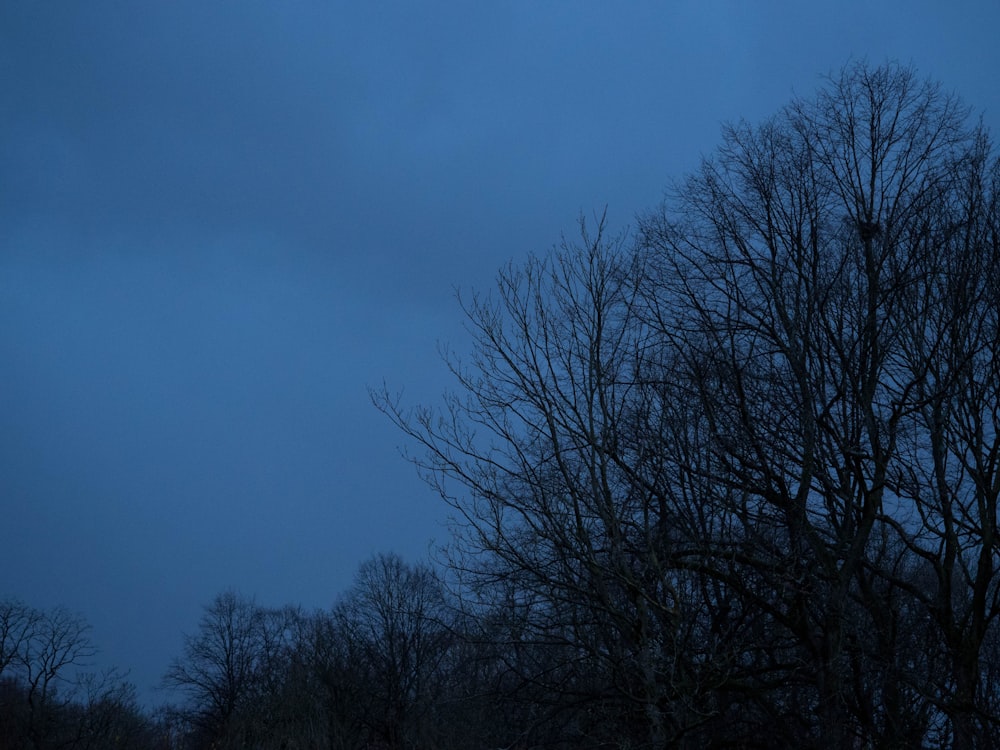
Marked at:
<point>325,681</point>
<point>107,714</point>
<point>42,653</point>
<point>273,714</point>
<point>216,670</point>
<point>231,672</point>
<point>17,624</point>
<point>394,624</point>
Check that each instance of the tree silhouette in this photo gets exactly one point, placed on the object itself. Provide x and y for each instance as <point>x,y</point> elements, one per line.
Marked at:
<point>738,469</point>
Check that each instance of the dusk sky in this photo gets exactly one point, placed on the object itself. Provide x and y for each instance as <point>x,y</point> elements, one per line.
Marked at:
<point>222,222</point>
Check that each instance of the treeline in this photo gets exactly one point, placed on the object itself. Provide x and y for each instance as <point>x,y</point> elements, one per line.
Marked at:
<point>729,479</point>
<point>395,663</point>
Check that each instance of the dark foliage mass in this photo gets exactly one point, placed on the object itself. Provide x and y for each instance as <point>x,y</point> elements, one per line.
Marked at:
<point>729,479</point>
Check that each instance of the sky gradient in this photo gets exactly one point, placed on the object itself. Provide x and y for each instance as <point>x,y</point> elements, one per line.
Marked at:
<point>222,222</point>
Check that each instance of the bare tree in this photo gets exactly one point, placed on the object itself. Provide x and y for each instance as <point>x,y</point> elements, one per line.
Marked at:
<point>232,672</point>
<point>107,713</point>
<point>325,681</point>
<point>393,621</point>
<point>558,493</point>
<point>951,474</point>
<point>17,624</point>
<point>217,668</point>
<point>41,652</point>
<point>744,472</point>
<point>806,276</point>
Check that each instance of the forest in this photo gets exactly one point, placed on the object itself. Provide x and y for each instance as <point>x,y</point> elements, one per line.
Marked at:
<point>727,478</point>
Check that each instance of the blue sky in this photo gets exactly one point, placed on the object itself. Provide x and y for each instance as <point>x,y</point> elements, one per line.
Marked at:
<point>221,222</point>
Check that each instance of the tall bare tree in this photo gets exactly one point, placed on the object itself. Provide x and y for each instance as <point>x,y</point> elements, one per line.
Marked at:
<point>743,470</point>
<point>811,271</point>
<point>557,492</point>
